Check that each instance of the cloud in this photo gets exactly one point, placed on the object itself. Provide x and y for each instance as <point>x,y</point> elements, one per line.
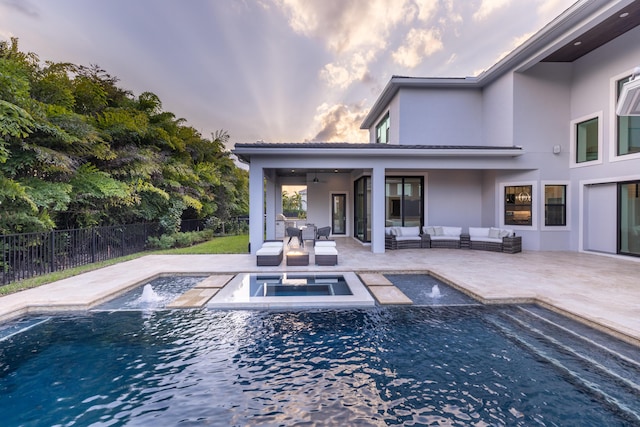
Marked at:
<point>487,7</point>
<point>419,44</point>
<point>342,73</point>
<point>340,123</point>
<point>22,6</point>
<point>355,32</point>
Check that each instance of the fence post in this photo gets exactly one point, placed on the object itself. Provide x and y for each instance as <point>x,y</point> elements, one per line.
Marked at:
<point>53,251</point>
<point>122,242</point>
<point>93,244</point>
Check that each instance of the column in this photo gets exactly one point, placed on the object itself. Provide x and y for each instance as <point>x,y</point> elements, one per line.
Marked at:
<point>256,207</point>
<point>377,209</point>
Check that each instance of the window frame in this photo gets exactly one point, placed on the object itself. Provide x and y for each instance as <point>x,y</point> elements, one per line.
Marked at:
<point>385,121</point>
<point>567,205</point>
<point>503,208</point>
<point>613,123</point>
<point>574,140</point>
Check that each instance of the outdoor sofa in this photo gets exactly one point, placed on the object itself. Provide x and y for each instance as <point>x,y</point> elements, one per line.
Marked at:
<point>494,239</point>
<point>271,253</point>
<point>441,237</point>
<point>402,237</point>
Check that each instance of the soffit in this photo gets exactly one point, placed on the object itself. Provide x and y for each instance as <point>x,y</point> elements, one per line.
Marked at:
<point>612,27</point>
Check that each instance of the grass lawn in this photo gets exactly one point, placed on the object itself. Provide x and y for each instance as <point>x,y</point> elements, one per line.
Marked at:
<point>219,245</point>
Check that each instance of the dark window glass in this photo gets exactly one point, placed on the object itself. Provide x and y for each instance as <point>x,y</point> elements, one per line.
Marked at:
<point>403,201</point>
<point>517,205</point>
<point>382,130</point>
<point>587,141</point>
<point>629,218</point>
<point>555,205</point>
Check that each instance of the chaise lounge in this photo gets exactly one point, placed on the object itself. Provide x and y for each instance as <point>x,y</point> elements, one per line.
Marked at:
<point>271,253</point>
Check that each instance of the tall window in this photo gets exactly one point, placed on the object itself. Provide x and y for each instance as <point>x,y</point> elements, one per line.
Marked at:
<point>587,141</point>
<point>517,205</point>
<point>628,129</point>
<point>555,205</point>
<point>382,130</point>
<point>403,201</point>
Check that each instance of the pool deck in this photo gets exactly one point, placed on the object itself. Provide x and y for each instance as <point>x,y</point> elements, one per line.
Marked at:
<point>603,291</point>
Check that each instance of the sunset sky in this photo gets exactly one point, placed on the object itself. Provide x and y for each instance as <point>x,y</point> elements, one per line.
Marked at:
<point>274,70</point>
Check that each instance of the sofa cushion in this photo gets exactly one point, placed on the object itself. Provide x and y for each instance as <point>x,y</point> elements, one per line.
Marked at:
<point>269,250</point>
<point>445,238</point>
<point>326,250</point>
<point>494,233</point>
<point>407,238</point>
<point>326,243</point>
<point>486,239</point>
<point>408,231</point>
<point>272,244</point>
<point>504,232</point>
<point>429,230</point>
<point>452,231</point>
<point>478,232</point>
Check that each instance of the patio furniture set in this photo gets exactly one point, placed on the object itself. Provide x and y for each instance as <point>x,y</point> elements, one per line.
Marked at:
<point>479,238</point>
<point>326,253</point>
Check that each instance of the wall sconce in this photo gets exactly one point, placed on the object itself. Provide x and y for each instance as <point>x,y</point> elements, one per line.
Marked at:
<point>557,149</point>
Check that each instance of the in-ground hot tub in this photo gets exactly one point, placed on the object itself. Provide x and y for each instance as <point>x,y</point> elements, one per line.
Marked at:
<point>293,290</point>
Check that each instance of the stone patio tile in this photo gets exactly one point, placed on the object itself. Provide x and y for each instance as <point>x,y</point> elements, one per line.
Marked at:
<point>387,295</point>
<point>194,298</point>
<point>214,281</point>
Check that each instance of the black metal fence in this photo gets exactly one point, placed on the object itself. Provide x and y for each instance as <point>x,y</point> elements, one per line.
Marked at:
<point>236,225</point>
<point>33,254</point>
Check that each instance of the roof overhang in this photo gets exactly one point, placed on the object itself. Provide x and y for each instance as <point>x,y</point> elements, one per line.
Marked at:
<point>307,150</point>
<point>583,27</point>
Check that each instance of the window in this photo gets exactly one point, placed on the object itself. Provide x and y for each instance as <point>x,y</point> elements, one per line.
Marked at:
<point>555,205</point>
<point>586,134</point>
<point>517,205</point>
<point>382,130</point>
<point>404,201</point>
<point>628,128</point>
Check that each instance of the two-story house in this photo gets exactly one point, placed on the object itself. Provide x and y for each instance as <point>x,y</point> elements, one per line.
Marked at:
<point>533,144</point>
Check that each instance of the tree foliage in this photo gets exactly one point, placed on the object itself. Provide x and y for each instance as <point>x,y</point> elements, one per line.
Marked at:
<point>78,150</point>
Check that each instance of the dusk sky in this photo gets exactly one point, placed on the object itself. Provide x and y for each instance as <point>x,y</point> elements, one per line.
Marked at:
<point>274,70</point>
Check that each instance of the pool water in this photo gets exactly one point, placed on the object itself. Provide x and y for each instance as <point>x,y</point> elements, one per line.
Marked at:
<point>297,285</point>
<point>455,366</point>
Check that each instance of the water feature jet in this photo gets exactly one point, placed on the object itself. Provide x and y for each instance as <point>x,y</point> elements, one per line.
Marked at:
<point>435,292</point>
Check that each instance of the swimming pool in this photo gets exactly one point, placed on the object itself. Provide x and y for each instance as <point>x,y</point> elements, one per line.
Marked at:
<point>454,366</point>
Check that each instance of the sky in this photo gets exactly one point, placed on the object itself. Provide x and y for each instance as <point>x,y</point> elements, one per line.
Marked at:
<point>274,70</point>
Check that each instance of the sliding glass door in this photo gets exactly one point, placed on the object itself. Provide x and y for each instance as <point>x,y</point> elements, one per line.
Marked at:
<point>403,201</point>
<point>362,209</point>
<point>629,218</point>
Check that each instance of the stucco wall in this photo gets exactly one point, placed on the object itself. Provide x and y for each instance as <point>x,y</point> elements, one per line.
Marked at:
<point>454,198</point>
<point>440,117</point>
<point>497,112</point>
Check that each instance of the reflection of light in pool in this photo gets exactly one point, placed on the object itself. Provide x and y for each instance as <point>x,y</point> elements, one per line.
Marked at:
<point>293,290</point>
<point>482,365</point>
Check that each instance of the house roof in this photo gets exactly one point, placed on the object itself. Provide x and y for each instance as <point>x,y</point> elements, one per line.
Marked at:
<point>244,151</point>
<point>585,26</point>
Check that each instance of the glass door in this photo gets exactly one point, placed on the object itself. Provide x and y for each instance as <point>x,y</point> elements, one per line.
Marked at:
<point>338,213</point>
<point>629,218</point>
<point>362,209</point>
